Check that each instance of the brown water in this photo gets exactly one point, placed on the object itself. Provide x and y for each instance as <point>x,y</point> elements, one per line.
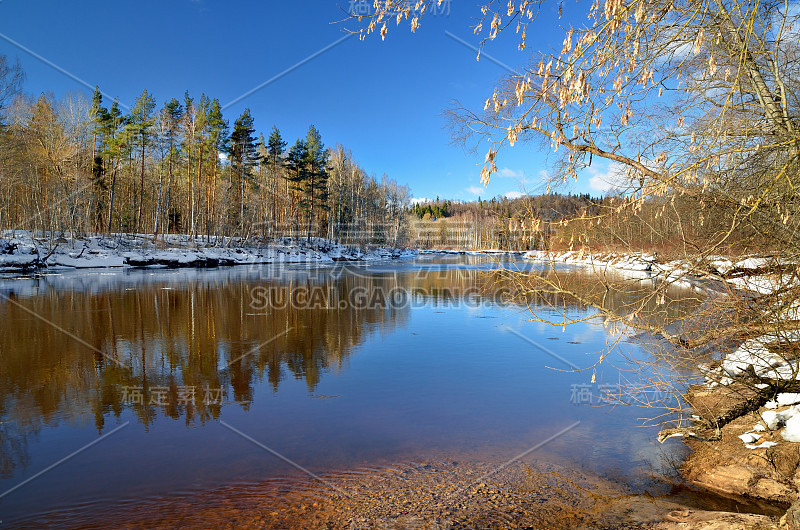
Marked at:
<point>151,384</point>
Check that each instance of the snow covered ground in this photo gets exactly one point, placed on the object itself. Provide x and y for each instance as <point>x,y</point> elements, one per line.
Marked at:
<point>677,272</point>
<point>630,262</point>
<point>20,251</point>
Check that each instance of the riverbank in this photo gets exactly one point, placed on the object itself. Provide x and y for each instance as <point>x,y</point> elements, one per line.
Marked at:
<point>755,451</point>
<point>749,392</point>
<point>23,251</point>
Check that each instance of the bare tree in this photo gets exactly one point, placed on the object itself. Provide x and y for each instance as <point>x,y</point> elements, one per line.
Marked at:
<point>694,104</point>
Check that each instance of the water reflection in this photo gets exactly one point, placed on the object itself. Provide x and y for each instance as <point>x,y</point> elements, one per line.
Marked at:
<point>186,346</point>
<point>93,349</point>
<point>90,351</point>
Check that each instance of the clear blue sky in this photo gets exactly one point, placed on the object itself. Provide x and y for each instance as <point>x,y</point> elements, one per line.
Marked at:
<point>382,100</point>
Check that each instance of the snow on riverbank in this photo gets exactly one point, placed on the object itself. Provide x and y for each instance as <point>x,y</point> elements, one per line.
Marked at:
<point>20,251</point>
<point>746,274</point>
<point>635,265</point>
<point>630,262</point>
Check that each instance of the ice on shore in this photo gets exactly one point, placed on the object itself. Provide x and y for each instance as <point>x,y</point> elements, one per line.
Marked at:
<point>754,353</point>
<point>629,262</point>
<point>722,265</point>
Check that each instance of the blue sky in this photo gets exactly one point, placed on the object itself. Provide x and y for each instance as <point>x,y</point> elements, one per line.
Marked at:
<point>381,99</point>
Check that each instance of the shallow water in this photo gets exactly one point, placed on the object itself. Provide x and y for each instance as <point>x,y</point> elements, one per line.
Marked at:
<point>185,381</point>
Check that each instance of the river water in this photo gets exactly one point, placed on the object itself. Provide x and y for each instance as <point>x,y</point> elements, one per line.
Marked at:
<point>119,387</point>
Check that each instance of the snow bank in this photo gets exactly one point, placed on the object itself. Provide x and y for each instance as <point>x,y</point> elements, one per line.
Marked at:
<point>771,419</point>
<point>20,251</point>
<point>788,398</point>
<point>754,353</point>
<point>630,262</point>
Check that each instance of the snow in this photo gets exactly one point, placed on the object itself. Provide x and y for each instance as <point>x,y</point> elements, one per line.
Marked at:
<point>752,263</point>
<point>762,445</point>
<point>749,437</point>
<point>753,353</point>
<point>790,413</point>
<point>762,284</point>
<point>722,265</point>
<point>20,250</point>
<point>788,398</point>
<point>771,419</point>
<point>792,431</point>
<point>774,419</point>
<point>629,262</point>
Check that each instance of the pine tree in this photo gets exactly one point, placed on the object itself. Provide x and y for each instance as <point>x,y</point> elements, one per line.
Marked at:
<point>275,149</point>
<point>171,116</point>
<point>296,175</point>
<point>316,185</point>
<point>217,128</point>
<point>140,130</point>
<point>99,115</point>
<point>263,187</point>
<point>243,155</point>
<point>113,123</point>
<point>190,131</point>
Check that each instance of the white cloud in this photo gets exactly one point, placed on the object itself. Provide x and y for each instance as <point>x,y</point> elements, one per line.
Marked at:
<point>513,195</point>
<point>612,178</point>
<point>510,173</point>
<point>476,190</point>
<point>420,200</point>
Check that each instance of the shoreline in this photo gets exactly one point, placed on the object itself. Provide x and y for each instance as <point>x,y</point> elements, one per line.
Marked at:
<point>23,252</point>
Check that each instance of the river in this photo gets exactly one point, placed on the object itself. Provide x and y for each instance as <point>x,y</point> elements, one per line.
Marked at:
<point>125,388</point>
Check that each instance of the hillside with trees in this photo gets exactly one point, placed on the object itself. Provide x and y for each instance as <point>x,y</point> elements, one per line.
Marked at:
<point>524,223</point>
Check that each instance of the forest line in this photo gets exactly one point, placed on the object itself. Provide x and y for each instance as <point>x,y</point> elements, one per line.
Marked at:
<point>77,165</point>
